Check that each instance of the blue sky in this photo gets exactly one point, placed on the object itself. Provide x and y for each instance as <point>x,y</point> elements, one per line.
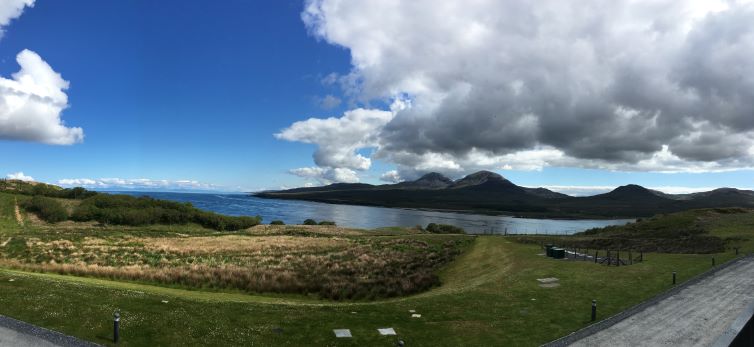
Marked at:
<point>196,91</point>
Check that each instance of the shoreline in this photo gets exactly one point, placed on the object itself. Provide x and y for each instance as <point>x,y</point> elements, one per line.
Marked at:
<point>467,212</point>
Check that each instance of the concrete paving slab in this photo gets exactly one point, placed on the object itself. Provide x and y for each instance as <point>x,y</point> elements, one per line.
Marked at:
<point>342,332</point>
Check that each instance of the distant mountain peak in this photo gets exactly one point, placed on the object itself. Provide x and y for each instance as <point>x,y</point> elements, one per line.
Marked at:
<point>631,188</point>
<point>432,180</point>
<point>634,191</point>
<point>485,173</point>
<point>481,177</point>
<point>434,176</point>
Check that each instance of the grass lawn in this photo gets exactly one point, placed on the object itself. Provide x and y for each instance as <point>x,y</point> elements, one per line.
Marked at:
<point>489,297</point>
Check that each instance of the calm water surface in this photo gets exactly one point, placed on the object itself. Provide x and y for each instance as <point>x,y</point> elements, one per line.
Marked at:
<point>294,212</point>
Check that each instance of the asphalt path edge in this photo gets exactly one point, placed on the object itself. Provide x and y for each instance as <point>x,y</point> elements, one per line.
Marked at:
<point>610,321</point>
<point>51,336</point>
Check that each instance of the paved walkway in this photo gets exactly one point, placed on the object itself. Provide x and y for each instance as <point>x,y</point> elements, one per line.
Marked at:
<point>695,316</point>
<point>15,333</point>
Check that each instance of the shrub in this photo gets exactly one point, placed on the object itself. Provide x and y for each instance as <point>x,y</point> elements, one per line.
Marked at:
<point>310,222</point>
<point>277,222</point>
<point>444,229</point>
<point>48,209</point>
<point>129,210</point>
<point>42,189</point>
<point>326,222</point>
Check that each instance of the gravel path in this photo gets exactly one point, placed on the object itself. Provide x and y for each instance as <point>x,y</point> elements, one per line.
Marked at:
<point>695,316</point>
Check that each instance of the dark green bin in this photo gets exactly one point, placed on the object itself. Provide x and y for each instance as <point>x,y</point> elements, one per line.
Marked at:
<point>558,253</point>
<point>548,249</point>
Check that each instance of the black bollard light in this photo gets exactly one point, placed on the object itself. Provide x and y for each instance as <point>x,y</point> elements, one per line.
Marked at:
<point>594,310</point>
<point>673,277</point>
<point>713,261</point>
<point>116,326</point>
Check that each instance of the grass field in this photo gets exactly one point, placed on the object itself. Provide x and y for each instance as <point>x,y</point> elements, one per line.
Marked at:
<point>489,295</point>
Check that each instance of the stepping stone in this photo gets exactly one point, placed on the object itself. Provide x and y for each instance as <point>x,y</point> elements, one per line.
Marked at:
<point>549,282</point>
<point>416,315</point>
<point>342,332</point>
<point>387,331</point>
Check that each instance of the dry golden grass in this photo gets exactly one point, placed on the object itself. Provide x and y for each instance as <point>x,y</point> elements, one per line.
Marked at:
<point>19,217</point>
<point>322,230</point>
<point>327,261</point>
<point>243,244</point>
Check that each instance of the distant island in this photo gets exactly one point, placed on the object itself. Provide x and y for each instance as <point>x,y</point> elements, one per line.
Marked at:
<point>489,193</point>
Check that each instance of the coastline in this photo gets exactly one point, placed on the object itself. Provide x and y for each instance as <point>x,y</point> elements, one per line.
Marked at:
<point>532,215</point>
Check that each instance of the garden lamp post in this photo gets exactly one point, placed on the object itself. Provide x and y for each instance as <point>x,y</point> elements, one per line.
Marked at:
<point>116,326</point>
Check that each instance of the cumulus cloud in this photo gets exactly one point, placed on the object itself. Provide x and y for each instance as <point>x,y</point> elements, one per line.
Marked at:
<point>662,85</point>
<point>339,140</point>
<point>11,9</point>
<point>327,175</point>
<point>391,176</point>
<point>19,176</point>
<point>136,183</point>
<point>31,104</point>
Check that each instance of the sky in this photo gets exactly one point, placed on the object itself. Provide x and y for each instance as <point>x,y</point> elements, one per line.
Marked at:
<point>577,96</point>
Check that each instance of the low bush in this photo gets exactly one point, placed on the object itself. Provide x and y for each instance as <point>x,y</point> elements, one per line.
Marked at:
<point>444,229</point>
<point>48,209</point>
<point>326,222</point>
<point>310,222</point>
<point>277,222</point>
<point>135,211</point>
<point>42,189</point>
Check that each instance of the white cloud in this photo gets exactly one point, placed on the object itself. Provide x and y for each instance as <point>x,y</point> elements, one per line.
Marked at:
<point>19,176</point>
<point>31,104</point>
<point>326,175</point>
<point>328,102</point>
<point>136,183</point>
<point>391,176</point>
<point>662,85</point>
<point>11,9</point>
<point>338,139</point>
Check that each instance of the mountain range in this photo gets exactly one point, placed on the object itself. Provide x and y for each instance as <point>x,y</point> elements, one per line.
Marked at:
<point>490,193</point>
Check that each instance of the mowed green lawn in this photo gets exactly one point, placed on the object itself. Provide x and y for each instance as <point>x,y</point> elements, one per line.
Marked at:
<point>489,297</point>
